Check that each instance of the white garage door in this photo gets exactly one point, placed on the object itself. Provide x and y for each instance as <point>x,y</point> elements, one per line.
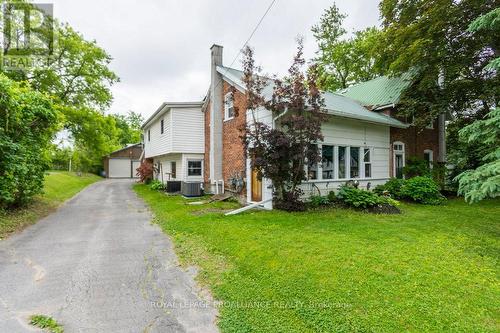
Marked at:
<point>119,168</point>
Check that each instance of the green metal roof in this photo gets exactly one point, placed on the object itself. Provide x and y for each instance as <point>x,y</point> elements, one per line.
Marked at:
<point>335,103</point>
<point>380,91</point>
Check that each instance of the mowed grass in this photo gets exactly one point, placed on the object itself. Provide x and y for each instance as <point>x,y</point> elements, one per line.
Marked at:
<point>58,187</point>
<point>429,269</point>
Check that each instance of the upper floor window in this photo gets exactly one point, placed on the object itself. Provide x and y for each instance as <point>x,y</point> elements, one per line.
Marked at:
<point>149,135</point>
<point>228,106</point>
<point>162,126</point>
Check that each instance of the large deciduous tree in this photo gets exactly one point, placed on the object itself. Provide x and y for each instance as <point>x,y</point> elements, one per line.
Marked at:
<point>343,61</point>
<point>280,151</point>
<point>431,38</point>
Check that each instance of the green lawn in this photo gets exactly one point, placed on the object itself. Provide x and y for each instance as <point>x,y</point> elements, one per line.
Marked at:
<point>429,269</point>
<point>59,186</point>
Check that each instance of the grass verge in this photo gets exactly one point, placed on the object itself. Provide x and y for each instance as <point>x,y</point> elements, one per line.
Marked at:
<point>47,323</point>
<point>432,268</point>
<point>59,186</point>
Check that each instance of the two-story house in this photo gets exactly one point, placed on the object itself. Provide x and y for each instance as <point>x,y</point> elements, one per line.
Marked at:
<point>363,140</point>
<point>174,140</point>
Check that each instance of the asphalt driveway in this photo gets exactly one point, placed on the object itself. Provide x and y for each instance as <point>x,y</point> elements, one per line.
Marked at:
<point>99,265</point>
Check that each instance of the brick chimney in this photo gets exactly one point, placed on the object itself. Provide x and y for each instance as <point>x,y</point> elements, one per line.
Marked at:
<point>216,107</point>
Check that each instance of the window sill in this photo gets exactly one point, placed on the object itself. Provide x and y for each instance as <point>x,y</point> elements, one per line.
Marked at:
<point>228,119</point>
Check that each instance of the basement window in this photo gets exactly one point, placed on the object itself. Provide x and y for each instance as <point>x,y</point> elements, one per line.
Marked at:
<point>228,106</point>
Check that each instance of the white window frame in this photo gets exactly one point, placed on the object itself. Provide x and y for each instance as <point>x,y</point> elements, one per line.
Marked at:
<point>187,167</point>
<point>333,159</point>
<point>431,156</point>
<point>397,152</point>
<point>336,163</point>
<point>363,163</point>
<point>228,104</point>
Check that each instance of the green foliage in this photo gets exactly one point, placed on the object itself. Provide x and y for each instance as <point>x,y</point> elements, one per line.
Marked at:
<point>422,190</point>
<point>129,126</point>
<point>46,323</point>
<point>27,124</point>
<point>432,38</point>
<point>484,181</point>
<point>341,61</point>
<point>78,79</point>
<point>318,201</point>
<point>359,198</point>
<point>332,197</point>
<point>156,185</point>
<point>392,187</point>
<point>416,166</point>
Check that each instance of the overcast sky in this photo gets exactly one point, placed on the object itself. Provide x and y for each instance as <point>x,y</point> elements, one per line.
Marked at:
<point>160,48</point>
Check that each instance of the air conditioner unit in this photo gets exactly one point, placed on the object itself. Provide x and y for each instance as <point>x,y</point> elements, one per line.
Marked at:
<point>173,186</point>
<point>191,189</point>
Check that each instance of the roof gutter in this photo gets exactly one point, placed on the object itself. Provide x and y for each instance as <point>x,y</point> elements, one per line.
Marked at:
<point>393,123</point>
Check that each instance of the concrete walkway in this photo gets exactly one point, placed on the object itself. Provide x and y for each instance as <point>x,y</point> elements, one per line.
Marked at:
<point>99,265</point>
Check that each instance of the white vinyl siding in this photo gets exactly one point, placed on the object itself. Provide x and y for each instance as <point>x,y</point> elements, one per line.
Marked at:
<point>181,165</point>
<point>187,135</point>
<point>158,143</point>
<point>347,136</point>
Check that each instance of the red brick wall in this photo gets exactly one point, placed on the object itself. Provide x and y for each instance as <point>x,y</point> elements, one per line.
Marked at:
<point>233,150</point>
<point>416,140</point>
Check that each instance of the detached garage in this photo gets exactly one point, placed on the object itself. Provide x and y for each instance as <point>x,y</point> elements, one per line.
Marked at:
<point>124,162</point>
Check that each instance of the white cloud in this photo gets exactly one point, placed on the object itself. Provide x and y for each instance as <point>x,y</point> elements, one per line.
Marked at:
<point>161,48</point>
